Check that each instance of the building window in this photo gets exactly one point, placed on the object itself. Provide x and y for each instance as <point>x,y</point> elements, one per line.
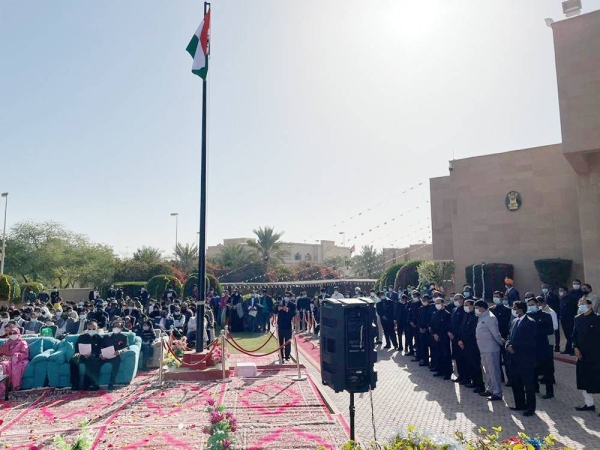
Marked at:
<point>298,257</point>
<point>308,257</point>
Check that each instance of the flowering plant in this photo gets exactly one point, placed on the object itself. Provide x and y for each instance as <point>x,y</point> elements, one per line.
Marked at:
<point>222,425</point>
<point>179,346</point>
<point>218,354</point>
<point>171,361</point>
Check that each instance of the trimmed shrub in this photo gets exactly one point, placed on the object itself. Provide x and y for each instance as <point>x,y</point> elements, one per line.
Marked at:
<point>16,289</point>
<point>131,288</point>
<point>491,275</point>
<point>408,275</point>
<point>554,271</point>
<point>5,288</point>
<point>34,287</point>
<point>389,276</point>
<point>158,285</point>
<point>211,282</point>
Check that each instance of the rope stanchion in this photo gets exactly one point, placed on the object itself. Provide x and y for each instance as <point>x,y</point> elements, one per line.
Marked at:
<point>183,363</point>
<point>298,377</point>
<point>224,378</point>
<point>229,335</point>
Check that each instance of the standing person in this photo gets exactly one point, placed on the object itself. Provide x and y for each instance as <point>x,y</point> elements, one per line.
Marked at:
<point>236,313</point>
<point>553,302</point>
<point>511,294</point>
<point>489,342</point>
<point>90,360</point>
<point>543,351</point>
<point>376,299</point>
<point>440,326</point>
<point>548,369</point>
<point>224,308</point>
<point>586,336</point>
<point>286,311</point>
<point>265,305</point>
<point>112,292</point>
<point>401,315</point>
<point>521,358</point>
<point>468,343</point>
<point>568,310</point>
<point>413,323</point>
<point>94,294</point>
<point>385,309</point>
<point>586,290</point>
<point>454,334</point>
<point>252,309</point>
<point>303,307</point>
<point>54,295</point>
<point>336,293</point>
<point>144,297</point>
<point>425,313</point>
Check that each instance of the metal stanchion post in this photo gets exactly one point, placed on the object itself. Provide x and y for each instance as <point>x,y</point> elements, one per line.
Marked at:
<point>225,378</point>
<point>298,377</point>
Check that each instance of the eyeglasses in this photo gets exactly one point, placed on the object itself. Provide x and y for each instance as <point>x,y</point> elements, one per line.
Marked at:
<point>13,334</point>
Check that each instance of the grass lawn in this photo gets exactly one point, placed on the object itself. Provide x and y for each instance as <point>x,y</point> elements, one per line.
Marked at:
<point>251,341</point>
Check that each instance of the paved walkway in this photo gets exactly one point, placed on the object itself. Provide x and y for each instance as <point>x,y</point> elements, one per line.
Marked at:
<point>408,394</point>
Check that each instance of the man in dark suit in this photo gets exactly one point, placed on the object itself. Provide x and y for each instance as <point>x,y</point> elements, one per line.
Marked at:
<point>286,311</point>
<point>521,359</point>
<point>568,311</point>
<point>511,294</point>
<point>385,309</point>
<point>454,334</point>
<point>552,300</point>
<point>401,315</point>
<point>544,355</point>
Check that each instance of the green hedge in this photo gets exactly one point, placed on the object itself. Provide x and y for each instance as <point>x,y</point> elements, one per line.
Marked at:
<point>158,285</point>
<point>211,282</point>
<point>16,289</point>
<point>6,288</point>
<point>34,287</point>
<point>408,275</point>
<point>389,276</point>
<point>554,271</point>
<point>131,288</point>
<point>493,275</point>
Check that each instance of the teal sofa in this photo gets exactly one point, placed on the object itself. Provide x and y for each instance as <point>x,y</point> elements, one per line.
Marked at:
<point>59,373</point>
<point>36,372</point>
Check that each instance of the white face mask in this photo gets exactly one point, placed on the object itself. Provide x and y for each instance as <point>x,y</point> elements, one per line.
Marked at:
<point>468,309</point>
<point>5,320</point>
<point>544,291</point>
<point>497,300</point>
<point>576,287</point>
<point>457,303</point>
<point>582,309</point>
<point>514,312</point>
<point>415,299</point>
<point>438,306</point>
<point>477,312</point>
<point>116,330</point>
<point>92,332</point>
<point>146,327</point>
<point>13,337</point>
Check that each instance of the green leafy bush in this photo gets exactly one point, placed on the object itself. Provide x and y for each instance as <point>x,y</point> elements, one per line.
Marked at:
<point>436,272</point>
<point>492,275</point>
<point>389,276</point>
<point>6,288</point>
<point>131,288</point>
<point>158,285</point>
<point>16,289</point>
<point>554,271</point>
<point>211,282</point>
<point>34,287</point>
<point>408,275</point>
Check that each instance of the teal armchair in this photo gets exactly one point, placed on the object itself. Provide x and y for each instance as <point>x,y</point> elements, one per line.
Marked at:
<point>40,348</point>
<point>59,373</point>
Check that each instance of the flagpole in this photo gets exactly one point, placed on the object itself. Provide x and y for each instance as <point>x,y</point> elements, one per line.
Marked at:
<point>201,294</point>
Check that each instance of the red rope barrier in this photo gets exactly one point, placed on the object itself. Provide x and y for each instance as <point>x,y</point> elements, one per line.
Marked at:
<point>251,351</point>
<point>183,363</point>
<point>262,354</point>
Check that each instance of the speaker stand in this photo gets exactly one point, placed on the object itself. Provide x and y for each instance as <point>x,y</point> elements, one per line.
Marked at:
<point>352,410</point>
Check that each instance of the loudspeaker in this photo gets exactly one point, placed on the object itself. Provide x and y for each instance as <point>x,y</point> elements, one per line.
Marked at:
<point>348,333</point>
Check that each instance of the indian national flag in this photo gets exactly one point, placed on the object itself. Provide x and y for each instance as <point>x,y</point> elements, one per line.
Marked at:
<point>198,47</point>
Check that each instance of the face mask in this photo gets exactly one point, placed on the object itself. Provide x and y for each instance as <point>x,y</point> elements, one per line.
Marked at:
<point>146,328</point>
<point>582,309</point>
<point>438,306</point>
<point>456,303</point>
<point>415,299</point>
<point>576,287</point>
<point>335,292</point>
<point>287,299</point>
<point>514,312</point>
<point>544,291</point>
<point>116,330</point>
<point>497,300</point>
<point>6,320</point>
<point>58,313</point>
<point>468,309</point>
<point>466,294</point>
<point>532,309</point>
<point>13,336</point>
<point>477,312</point>
<point>372,294</point>
<point>92,332</point>
<point>505,302</point>
<point>424,303</point>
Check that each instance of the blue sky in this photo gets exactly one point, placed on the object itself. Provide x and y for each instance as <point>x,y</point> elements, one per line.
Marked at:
<point>318,111</point>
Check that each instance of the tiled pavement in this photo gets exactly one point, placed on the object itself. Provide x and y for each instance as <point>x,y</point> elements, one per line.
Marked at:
<point>408,394</point>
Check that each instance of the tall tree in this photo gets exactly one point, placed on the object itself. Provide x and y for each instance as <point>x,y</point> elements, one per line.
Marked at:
<point>268,247</point>
<point>368,263</point>
<point>186,257</point>
<point>148,255</point>
<point>238,264</point>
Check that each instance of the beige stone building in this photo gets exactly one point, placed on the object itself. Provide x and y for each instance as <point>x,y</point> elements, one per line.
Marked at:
<point>475,220</point>
<point>415,252</point>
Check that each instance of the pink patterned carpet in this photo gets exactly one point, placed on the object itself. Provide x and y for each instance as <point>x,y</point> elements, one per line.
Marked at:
<point>273,412</point>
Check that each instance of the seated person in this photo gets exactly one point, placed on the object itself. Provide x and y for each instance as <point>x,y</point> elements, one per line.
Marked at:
<point>164,321</point>
<point>49,329</point>
<point>33,325</point>
<point>14,357</point>
<point>4,320</point>
<point>91,361</point>
<point>191,331</point>
<point>118,341</point>
<point>146,332</point>
<point>178,322</point>
<point>128,323</point>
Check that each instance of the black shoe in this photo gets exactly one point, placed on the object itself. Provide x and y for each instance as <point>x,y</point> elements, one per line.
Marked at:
<point>409,354</point>
<point>438,374</point>
<point>379,342</point>
<point>388,346</point>
<point>423,364</point>
<point>529,413</point>
<point>586,408</point>
<point>469,385</point>
<point>485,394</point>
<point>479,391</point>
<point>415,360</point>
<point>557,349</point>
<point>508,385</point>
<point>547,396</point>
<point>517,408</point>
<point>111,387</point>
<point>494,398</point>
<point>396,347</point>
<point>457,380</point>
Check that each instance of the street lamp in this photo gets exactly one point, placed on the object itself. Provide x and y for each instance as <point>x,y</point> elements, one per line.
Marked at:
<point>343,233</point>
<point>5,196</point>
<point>176,227</point>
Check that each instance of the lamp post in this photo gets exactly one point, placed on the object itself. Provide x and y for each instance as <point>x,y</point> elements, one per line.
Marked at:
<point>5,195</point>
<point>176,227</point>
<point>343,233</point>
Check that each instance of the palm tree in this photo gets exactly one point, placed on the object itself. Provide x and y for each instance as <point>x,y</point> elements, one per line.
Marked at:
<point>148,255</point>
<point>368,263</point>
<point>186,257</point>
<point>233,256</point>
<point>268,246</point>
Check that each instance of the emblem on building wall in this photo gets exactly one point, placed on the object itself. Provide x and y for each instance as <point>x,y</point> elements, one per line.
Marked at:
<point>513,201</point>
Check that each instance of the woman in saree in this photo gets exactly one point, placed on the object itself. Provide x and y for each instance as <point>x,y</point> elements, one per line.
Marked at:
<point>14,357</point>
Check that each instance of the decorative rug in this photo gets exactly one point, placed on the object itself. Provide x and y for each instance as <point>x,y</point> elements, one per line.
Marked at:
<point>272,412</point>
